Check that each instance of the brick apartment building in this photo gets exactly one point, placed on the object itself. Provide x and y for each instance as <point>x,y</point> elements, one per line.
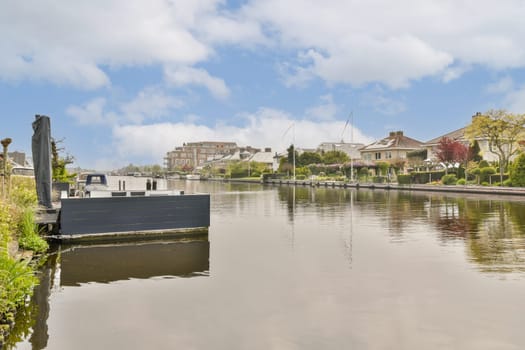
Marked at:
<point>194,154</point>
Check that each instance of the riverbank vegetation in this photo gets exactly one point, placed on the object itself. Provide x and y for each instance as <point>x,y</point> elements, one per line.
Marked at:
<point>19,243</point>
<point>453,161</point>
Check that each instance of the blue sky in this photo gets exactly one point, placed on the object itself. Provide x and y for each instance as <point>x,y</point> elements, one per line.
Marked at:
<point>125,81</point>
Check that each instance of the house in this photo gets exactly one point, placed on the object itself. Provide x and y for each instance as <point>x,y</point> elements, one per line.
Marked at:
<point>267,158</point>
<point>392,149</point>
<point>351,149</point>
<point>431,146</point>
<point>459,135</point>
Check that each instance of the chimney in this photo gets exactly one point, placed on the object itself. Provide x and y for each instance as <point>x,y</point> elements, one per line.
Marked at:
<point>399,133</point>
<point>392,133</point>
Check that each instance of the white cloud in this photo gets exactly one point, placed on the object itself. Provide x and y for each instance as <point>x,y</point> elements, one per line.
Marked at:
<point>90,113</point>
<point>151,103</point>
<point>395,43</point>
<point>182,76</point>
<point>454,72</point>
<point>60,68</point>
<point>265,128</point>
<point>394,62</point>
<point>72,42</point>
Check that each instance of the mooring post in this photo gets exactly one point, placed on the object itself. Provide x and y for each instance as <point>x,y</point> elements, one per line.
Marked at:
<point>5,182</point>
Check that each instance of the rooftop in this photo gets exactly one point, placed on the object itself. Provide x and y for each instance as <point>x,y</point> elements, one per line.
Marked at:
<point>395,139</point>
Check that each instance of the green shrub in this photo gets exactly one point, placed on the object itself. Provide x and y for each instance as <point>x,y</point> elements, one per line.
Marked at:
<point>5,227</point>
<point>379,179</point>
<point>449,179</point>
<point>28,235</point>
<point>486,172</point>
<point>508,183</point>
<point>17,280</point>
<point>23,191</point>
<point>483,164</point>
<point>426,177</point>
<point>484,183</point>
<point>461,182</point>
<point>300,177</point>
<point>403,179</point>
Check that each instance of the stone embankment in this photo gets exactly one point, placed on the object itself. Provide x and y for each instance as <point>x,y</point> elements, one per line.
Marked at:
<point>471,189</point>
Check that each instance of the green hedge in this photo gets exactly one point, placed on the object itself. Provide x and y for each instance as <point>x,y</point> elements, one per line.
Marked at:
<point>272,176</point>
<point>424,176</point>
<point>404,179</point>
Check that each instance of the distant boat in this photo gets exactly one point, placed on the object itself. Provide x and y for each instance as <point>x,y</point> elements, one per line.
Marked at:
<point>95,182</point>
<point>124,214</point>
<point>193,177</point>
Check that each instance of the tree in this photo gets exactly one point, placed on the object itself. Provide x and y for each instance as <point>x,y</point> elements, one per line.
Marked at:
<point>237,169</point>
<point>502,131</point>
<point>474,152</point>
<point>156,169</point>
<point>59,163</point>
<point>287,164</point>
<point>284,166</point>
<point>292,154</point>
<point>335,157</point>
<point>451,151</point>
<point>307,158</point>
<point>517,171</point>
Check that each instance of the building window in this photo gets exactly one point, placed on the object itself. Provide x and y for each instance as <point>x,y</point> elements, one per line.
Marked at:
<point>378,155</point>
<point>388,155</point>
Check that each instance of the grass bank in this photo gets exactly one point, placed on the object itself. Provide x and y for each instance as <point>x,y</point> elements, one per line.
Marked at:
<point>21,248</point>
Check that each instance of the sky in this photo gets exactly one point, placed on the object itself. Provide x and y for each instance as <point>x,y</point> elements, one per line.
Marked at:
<point>125,81</point>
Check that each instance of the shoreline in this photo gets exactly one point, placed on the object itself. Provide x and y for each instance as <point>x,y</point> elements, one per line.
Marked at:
<point>468,189</point>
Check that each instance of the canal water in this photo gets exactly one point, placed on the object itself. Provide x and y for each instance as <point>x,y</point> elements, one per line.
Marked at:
<point>297,268</point>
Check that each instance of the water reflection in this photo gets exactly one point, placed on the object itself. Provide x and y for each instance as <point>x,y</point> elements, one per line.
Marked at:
<point>109,263</point>
<point>492,229</point>
<point>75,265</point>
<point>365,270</point>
